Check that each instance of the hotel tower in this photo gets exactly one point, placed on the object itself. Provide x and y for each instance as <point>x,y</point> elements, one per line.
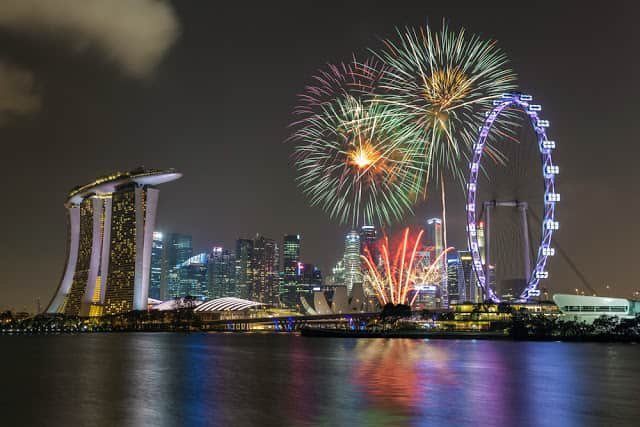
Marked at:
<point>111,222</point>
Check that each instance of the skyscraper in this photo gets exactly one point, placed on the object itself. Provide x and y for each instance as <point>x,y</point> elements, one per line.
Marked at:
<point>111,222</point>
<point>436,238</point>
<point>290,288</point>
<point>469,275</point>
<point>222,273</point>
<point>191,278</point>
<point>178,248</point>
<point>455,279</point>
<point>290,256</point>
<point>351,259</point>
<point>368,243</point>
<point>157,260</point>
<point>265,270</point>
<point>244,268</point>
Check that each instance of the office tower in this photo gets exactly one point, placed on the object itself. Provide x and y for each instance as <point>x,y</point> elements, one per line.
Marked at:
<point>290,287</point>
<point>436,239</point>
<point>156,265</point>
<point>368,244</point>
<point>456,289</point>
<point>111,222</point>
<point>469,276</point>
<point>265,270</point>
<point>244,268</point>
<point>351,260</point>
<point>178,248</point>
<point>192,278</point>
<point>222,273</point>
<point>290,256</point>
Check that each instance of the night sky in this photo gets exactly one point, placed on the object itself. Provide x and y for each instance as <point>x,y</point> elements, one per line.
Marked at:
<point>211,95</point>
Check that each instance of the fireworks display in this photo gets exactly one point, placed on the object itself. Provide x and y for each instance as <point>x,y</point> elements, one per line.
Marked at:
<point>370,135</point>
<point>443,82</point>
<point>352,158</point>
<point>399,272</point>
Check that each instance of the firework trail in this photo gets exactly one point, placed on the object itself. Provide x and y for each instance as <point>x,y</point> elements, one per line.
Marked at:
<point>393,281</point>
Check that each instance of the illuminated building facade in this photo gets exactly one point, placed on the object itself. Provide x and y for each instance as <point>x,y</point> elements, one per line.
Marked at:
<point>456,290</point>
<point>265,263</point>
<point>222,273</point>
<point>368,242</point>
<point>351,260</point>
<point>435,236</point>
<point>178,248</point>
<point>157,255</point>
<point>290,289</point>
<point>192,278</point>
<point>472,291</point>
<point>244,268</point>
<point>110,222</point>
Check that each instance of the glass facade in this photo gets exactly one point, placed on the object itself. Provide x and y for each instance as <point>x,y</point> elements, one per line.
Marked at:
<point>244,268</point>
<point>222,273</point>
<point>265,268</point>
<point>157,262</point>
<point>351,260</point>
<point>290,289</point>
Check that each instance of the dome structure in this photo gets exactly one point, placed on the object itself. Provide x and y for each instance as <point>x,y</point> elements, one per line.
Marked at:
<point>229,304</point>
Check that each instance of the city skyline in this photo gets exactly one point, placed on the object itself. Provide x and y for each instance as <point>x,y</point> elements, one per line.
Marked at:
<point>238,178</point>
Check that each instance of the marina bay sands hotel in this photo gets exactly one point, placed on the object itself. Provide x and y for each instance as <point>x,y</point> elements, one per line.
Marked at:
<point>111,222</point>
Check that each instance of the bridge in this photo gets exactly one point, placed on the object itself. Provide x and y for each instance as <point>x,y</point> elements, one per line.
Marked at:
<point>290,323</point>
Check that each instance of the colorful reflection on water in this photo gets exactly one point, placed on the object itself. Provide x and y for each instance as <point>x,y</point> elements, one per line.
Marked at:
<point>287,380</point>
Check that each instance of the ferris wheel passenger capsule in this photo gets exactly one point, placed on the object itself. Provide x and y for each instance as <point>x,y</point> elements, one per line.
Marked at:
<point>547,251</point>
<point>551,224</point>
<point>552,197</point>
<point>549,144</point>
<point>541,274</point>
<point>552,170</point>
<point>535,107</point>
<point>543,123</point>
<point>526,97</point>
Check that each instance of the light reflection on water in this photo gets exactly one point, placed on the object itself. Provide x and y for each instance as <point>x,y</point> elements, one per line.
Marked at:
<point>285,380</point>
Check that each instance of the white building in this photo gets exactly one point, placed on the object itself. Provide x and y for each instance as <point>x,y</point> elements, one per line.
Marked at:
<point>583,308</point>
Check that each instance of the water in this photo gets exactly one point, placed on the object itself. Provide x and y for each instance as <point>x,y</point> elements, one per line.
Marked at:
<point>284,380</point>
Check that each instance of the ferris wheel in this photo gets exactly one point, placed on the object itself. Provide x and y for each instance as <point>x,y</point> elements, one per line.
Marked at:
<point>480,252</point>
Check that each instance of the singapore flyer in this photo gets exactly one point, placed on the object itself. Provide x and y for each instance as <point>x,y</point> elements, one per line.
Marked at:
<point>549,171</point>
